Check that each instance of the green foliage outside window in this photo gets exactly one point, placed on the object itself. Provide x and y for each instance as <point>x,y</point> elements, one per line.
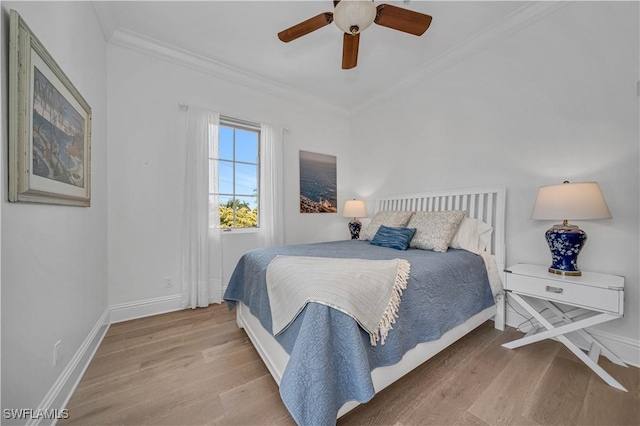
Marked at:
<point>244,216</point>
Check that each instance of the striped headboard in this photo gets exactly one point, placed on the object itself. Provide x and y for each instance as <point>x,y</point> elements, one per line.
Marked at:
<point>484,203</point>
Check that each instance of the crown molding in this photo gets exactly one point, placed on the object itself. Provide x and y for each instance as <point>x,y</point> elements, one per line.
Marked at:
<point>521,18</point>
<point>143,44</point>
<point>514,22</point>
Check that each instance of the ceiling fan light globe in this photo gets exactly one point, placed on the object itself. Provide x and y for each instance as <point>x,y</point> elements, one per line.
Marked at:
<point>354,13</point>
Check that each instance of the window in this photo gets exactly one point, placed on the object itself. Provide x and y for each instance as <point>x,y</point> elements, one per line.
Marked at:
<point>238,185</point>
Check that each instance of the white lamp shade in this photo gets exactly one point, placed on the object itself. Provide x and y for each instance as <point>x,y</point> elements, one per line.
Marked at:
<point>354,13</point>
<point>571,201</point>
<point>354,208</point>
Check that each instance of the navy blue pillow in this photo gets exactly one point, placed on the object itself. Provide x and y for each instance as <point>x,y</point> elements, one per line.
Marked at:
<point>395,238</point>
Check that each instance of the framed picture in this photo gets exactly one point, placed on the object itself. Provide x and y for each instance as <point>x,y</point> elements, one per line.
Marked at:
<point>318,183</point>
<point>49,126</point>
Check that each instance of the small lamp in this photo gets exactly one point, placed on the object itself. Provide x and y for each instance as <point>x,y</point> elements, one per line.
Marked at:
<point>354,209</point>
<point>575,201</point>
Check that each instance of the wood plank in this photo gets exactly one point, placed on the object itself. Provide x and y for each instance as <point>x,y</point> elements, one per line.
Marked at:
<point>449,400</point>
<point>115,364</point>
<point>197,413</point>
<point>161,331</point>
<point>165,319</point>
<point>134,404</point>
<point>255,402</point>
<point>561,393</point>
<point>404,395</point>
<point>164,370</point>
<point>505,399</point>
<point>214,353</point>
<point>238,397</point>
<point>91,391</point>
<point>110,343</point>
<point>606,405</point>
<point>469,419</point>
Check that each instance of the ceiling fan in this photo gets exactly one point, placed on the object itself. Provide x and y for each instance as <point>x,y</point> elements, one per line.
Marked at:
<point>353,17</point>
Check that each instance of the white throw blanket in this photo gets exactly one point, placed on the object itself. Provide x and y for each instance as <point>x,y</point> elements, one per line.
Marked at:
<point>492,272</point>
<point>367,290</point>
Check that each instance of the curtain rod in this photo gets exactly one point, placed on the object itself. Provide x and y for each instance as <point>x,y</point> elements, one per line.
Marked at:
<point>183,105</point>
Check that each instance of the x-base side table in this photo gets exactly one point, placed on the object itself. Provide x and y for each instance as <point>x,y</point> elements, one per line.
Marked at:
<point>595,299</point>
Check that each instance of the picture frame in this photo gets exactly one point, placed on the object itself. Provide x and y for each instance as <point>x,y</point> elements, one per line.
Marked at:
<point>49,126</point>
<point>318,183</point>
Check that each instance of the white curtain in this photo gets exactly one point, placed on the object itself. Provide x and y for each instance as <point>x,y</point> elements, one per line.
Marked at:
<point>271,185</point>
<point>201,250</point>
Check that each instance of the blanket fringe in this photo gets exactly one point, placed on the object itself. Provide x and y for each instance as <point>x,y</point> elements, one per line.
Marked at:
<point>391,313</point>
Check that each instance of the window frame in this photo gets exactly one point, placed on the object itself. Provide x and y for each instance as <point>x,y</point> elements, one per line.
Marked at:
<point>239,124</point>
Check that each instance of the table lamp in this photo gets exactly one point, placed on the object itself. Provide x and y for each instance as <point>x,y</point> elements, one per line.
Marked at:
<point>575,201</point>
<point>354,209</point>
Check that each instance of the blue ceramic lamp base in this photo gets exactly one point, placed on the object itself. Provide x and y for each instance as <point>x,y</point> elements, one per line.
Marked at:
<point>565,242</point>
<point>354,227</point>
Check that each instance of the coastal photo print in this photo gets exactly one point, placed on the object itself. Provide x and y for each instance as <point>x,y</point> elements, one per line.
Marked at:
<point>49,126</point>
<point>318,183</point>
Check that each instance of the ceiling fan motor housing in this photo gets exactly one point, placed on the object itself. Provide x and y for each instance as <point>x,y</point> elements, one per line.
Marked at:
<point>354,16</point>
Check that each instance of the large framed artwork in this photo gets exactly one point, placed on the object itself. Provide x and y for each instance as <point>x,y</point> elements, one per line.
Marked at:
<point>49,126</point>
<point>318,183</point>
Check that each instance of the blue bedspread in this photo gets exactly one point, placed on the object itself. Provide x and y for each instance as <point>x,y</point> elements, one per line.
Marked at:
<point>330,355</point>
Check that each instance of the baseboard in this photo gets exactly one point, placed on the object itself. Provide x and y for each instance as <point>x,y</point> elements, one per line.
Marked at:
<point>144,308</point>
<point>626,349</point>
<point>58,396</point>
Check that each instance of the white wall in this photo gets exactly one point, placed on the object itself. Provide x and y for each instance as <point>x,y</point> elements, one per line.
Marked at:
<point>555,101</point>
<point>146,168</point>
<point>54,258</point>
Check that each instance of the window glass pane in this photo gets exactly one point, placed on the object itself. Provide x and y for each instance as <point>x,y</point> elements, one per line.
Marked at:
<point>247,146</point>
<point>246,179</point>
<point>234,176</point>
<point>226,211</point>
<point>246,212</point>
<point>225,177</point>
<point>226,143</point>
<point>250,202</point>
<point>226,200</point>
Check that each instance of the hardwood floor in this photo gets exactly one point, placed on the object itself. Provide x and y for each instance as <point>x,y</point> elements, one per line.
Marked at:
<point>196,367</point>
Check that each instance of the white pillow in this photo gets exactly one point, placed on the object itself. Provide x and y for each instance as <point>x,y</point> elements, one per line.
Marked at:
<point>435,230</point>
<point>473,235</point>
<point>390,218</point>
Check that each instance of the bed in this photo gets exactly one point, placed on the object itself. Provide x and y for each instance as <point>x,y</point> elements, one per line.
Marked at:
<point>323,361</point>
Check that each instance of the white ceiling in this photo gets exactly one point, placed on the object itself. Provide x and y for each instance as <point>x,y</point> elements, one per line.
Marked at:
<point>242,36</point>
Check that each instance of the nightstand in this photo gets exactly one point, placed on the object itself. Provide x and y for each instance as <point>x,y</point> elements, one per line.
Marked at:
<point>592,299</point>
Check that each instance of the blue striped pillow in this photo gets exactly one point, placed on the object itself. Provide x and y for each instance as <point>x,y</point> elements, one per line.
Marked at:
<point>395,238</point>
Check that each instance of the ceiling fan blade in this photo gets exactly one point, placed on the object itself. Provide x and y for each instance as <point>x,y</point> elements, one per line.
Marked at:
<point>350,51</point>
<point>306,27</point>
<point>403,20</point>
